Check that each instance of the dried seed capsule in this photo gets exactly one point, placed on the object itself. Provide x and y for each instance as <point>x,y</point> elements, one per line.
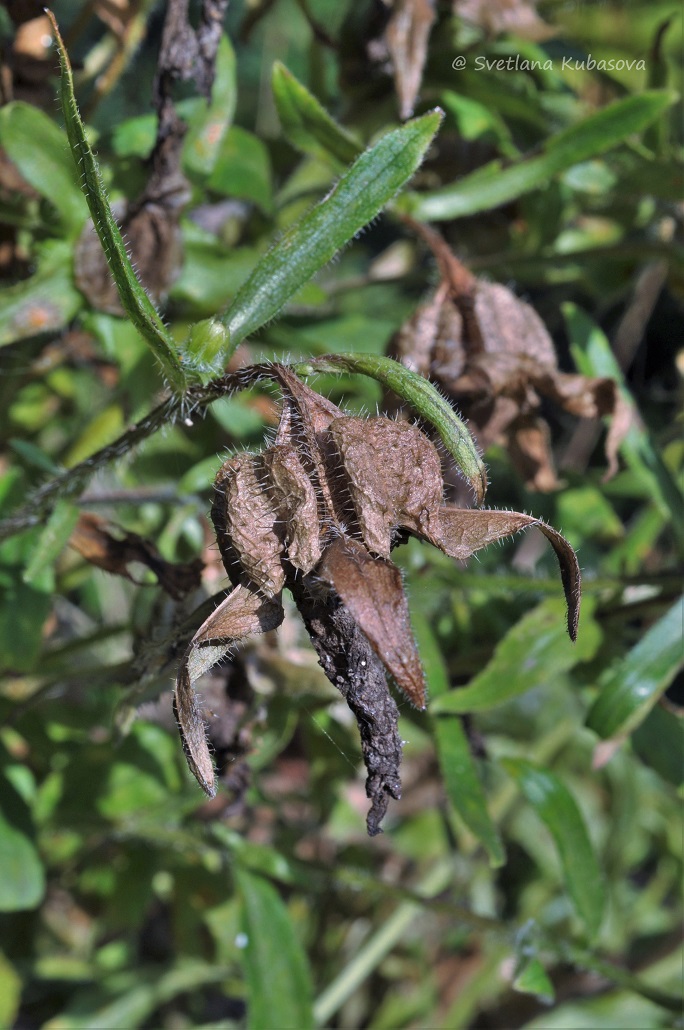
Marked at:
<point>295,498</point>
<point>248,528</point>
<point>394,476</point>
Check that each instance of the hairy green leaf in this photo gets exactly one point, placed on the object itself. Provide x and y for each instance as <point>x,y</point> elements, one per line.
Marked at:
<point>362,192</point>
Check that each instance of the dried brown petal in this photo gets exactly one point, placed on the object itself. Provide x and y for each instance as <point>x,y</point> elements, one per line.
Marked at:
<point>243,613</point>
<point>372,590</point>
<point>463,531</point>
<point>394,476</point>
<point>293,494</point>
<point>248,529</point>
<point>97,545</point>
<point>407,35</point>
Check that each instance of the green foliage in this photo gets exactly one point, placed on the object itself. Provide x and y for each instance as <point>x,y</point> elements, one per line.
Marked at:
<point>539,829</point>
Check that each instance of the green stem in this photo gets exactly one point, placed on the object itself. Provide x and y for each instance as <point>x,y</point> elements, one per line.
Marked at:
<point>134,299</point>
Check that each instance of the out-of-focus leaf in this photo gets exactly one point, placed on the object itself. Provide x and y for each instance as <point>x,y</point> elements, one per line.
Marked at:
<point>22,880</point>
<point>532,978</point>
<point>593,355</point>
<point>24,610</point>
<point>146,991</point>
<point>631,687</point>
<point>362,192</point>
<point>464,789</point>
<point>493,185</point>
<point>43,303</point>
<point>242,169</point>
<point>279,990</point>
<point>101,430</point>
<point>52,540</point>
<point>10,992</point>
<point>659,742</point>
<point>39,150</point>
<point>475,120</point>
<point>558,810</point>
<point>307,125</point>
<point>134,300</point>
<point>533,652</point>
<point>207,130</point>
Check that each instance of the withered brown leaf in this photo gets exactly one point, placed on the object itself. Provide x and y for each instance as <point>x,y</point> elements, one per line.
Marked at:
<point>372,590</point>
<point>96,543</point>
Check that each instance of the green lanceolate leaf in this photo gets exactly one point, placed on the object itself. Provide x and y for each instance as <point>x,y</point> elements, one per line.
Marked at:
<point>279,991</point>
<point>631,688</point>
<point>535,651</point>
<point>558,810</point>
<point>36,146</point>
<point>417,391</point>
<point>464,789</point>
<point>493,185</point>
<point>307,125</point>
<point>135,301</point>
<point>362,192</point>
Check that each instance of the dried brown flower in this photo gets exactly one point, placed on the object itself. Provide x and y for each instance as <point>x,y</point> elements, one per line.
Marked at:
<point>319,513</point>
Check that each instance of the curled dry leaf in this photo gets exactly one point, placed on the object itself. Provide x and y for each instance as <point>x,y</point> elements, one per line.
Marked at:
<point>242,614</point>
<point>492,354</point>
<point>97,544</point>
<point>318,513</point>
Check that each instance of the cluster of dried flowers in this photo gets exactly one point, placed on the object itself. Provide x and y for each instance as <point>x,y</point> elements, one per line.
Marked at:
<point>492,355</point>
<point>319,512</point>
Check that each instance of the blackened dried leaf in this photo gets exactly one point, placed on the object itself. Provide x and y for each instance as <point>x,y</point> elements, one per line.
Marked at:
<point>406,36</point>
<point>372,590</point>
<point>248,528</point>
<point>93,540</point>
<point>394,476</point>
<point>463,531</point>
<point>243,613</point>
<point>352,666</point>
